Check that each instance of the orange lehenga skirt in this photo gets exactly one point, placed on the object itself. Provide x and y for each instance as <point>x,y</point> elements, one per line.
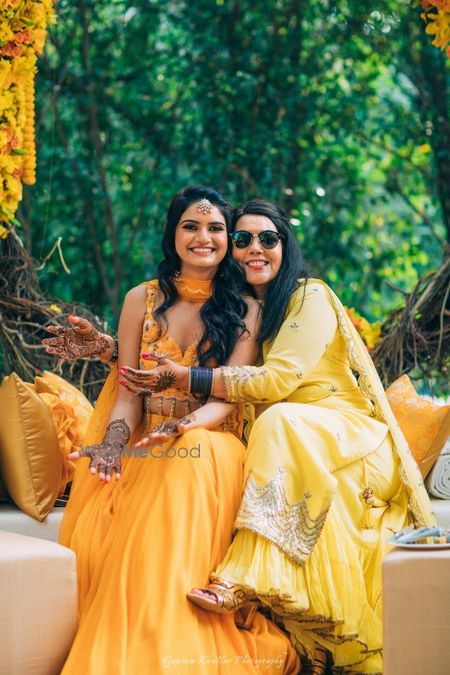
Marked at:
<point>142,542</point>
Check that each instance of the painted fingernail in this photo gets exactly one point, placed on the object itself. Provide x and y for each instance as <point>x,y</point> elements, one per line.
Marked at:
<point>123,383</point>
<point>145,356</point>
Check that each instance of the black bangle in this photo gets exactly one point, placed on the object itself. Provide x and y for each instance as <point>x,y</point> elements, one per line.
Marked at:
<point>115,354</point>
<point>200,381</point>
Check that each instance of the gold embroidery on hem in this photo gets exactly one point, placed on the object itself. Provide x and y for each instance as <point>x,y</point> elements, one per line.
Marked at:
<point>267,512</point>
<point>285,609</point>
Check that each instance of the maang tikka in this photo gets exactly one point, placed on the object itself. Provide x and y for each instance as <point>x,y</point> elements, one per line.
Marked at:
<point>204,206</point>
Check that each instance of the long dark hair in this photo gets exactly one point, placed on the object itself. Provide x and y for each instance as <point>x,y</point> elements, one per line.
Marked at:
<point>223,314</point>
<point>292,270</point>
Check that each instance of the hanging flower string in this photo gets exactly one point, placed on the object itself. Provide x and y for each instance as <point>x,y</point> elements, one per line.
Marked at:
<point>437,19</point>
<point>23,29</point>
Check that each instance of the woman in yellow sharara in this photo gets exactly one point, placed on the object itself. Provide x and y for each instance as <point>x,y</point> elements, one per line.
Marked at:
<point>328,473</point>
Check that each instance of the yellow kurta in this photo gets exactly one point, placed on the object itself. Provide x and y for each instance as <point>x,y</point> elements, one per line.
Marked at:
<point>142,542</point>
<point>324,488</point>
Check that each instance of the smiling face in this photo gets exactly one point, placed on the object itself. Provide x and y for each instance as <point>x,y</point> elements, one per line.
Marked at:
<point>201,241</point>
<point>260,264</point>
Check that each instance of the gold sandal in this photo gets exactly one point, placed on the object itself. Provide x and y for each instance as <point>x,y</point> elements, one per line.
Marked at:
<point>229,598</point>
<point>318,665</point>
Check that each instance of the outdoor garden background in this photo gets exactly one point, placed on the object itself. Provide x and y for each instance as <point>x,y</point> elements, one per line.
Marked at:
<point>338,111</point>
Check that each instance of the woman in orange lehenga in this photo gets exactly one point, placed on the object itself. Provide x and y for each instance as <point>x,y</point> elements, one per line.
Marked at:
<point>141,541</point>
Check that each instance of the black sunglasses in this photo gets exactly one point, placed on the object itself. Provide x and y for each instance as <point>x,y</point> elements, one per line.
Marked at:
<point>267,238</point>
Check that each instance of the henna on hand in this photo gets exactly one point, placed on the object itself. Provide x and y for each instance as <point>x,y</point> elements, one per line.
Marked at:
<point>76,342</point>
<point>136,379</point>
<point>105,457</point>
<point>169,427</point>
<point>164,381</point>
<point>188,419</point>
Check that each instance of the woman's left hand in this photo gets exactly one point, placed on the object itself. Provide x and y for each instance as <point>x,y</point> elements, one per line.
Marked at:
<point>171,428</point>
<point>165,375</point>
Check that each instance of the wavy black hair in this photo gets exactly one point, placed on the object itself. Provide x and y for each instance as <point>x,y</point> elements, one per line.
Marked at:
<point>223,314</point>
<point>292,269</point>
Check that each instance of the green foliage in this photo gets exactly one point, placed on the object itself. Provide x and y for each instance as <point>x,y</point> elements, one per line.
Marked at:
<point>335,110</point>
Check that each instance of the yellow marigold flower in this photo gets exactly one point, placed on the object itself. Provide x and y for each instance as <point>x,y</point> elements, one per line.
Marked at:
<point>14,187</point>
<point>425,148</point>
<point>6,34</point>
<point>7,164</point>
<point>37,13</point>
<point>5,73</point>
<point>55,308</point>
<point>12,3</point>
<point>369,332</point>
<point>39,36</point>
<point>10,203</point>
<point>438,24</point>
<point>4,232</point>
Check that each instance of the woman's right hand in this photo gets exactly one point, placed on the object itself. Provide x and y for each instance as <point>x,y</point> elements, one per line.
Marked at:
<point>77,341</point>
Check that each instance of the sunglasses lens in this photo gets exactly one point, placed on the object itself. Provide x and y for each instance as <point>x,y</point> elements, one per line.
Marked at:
<point>269,239</point>
<point>241,239</point>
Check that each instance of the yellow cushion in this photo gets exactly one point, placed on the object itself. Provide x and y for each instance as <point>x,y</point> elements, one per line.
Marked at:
<point>30,460</point>
<point>82,408</point>
<point>71,412</point>
<point>425,425</point>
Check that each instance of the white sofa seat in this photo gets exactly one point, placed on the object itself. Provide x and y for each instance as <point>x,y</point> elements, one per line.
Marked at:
<point>416,607</point>
<point>38,609</point>
<point>13,519</point>
<point>416,612</point>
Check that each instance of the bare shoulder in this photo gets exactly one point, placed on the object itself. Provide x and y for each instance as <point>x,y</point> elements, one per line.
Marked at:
<point>135,300</point>
<point>136,295</point>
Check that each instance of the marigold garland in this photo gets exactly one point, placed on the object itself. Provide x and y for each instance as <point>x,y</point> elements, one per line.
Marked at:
<point>437,19</point>
<point>369,332</point>
<point>23,29</point>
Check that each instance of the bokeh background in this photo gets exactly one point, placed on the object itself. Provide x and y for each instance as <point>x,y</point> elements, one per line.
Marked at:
<point>338,111</point>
